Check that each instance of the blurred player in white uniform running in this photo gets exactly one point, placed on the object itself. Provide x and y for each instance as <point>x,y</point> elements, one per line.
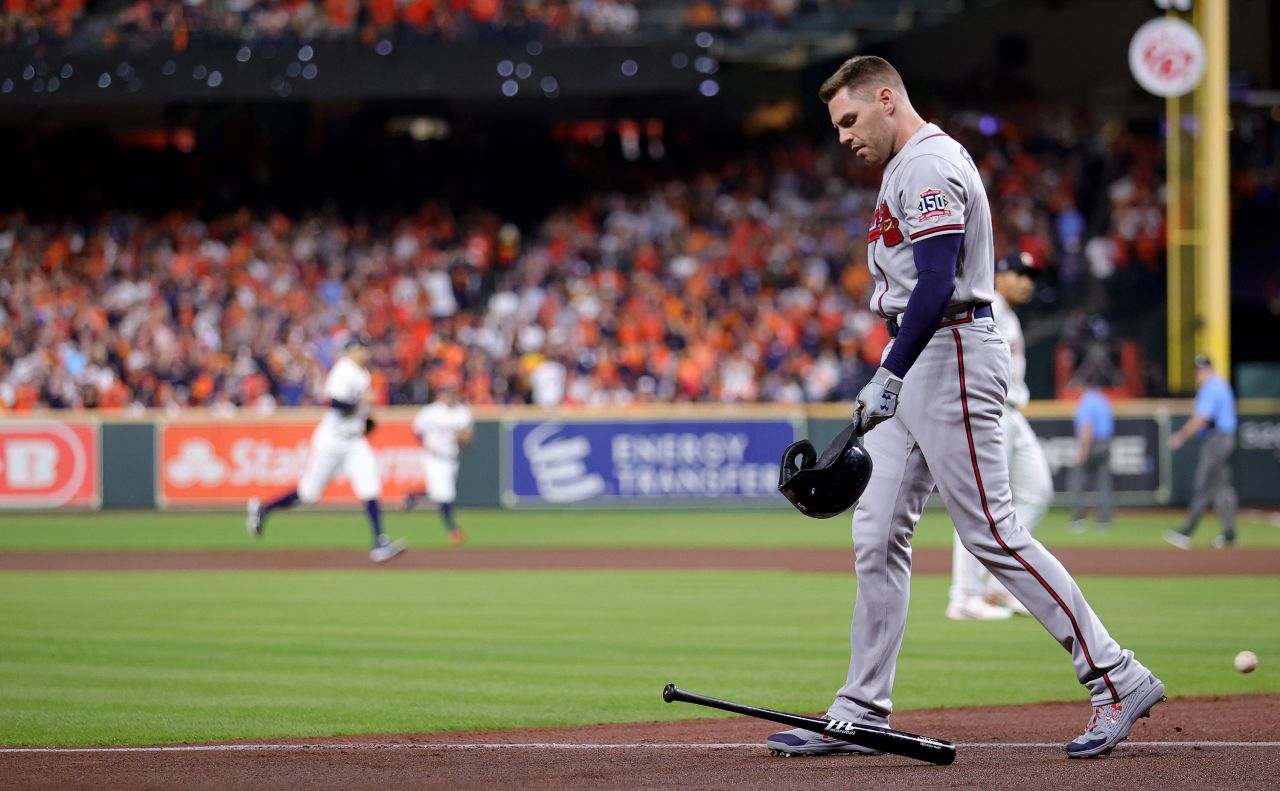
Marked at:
<point>443,427</point>
<point>975,594</point>
<point>340,443</point>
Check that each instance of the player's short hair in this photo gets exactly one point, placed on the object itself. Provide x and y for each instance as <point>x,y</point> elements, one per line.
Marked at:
<point>859,72</point>
<point>357,340</point>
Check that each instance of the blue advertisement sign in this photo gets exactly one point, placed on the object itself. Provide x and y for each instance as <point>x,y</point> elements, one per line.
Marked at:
<point>562,462</point>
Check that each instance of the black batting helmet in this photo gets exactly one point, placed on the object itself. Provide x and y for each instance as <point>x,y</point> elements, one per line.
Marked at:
<point>826,485</point>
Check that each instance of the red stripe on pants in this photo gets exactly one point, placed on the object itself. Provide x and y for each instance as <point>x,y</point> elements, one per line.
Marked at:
<point>973,456</point>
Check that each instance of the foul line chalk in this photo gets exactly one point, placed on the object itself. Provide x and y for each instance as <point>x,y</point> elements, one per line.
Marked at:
<point>214,748</point>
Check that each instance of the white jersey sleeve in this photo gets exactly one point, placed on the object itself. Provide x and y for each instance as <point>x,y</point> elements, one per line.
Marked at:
<point>1009,326</point>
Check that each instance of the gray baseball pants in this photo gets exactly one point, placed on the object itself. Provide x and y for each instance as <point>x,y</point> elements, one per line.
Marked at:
<point>1032,483</point>
<point>1213,485</point>
<point>947,432</point>
<point>1096,467</point>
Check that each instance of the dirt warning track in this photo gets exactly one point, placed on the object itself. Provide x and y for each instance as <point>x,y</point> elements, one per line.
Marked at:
<point>1095,562</point>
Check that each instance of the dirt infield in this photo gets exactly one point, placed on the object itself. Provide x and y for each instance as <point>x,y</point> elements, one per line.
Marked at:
<point>1103,562</point>
<point>1185,744</point>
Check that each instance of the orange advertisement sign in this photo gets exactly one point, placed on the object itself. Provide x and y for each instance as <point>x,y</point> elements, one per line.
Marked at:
<point>225,463</point>
<point>48,464</point>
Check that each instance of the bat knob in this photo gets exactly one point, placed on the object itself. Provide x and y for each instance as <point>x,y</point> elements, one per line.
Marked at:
<point>669,693</point>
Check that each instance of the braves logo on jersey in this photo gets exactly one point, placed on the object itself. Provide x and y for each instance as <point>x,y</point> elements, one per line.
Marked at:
<point>884,226</point>
<point>933,205</point>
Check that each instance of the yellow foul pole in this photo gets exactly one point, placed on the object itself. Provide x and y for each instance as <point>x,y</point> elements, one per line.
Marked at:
<point>1212,188</point>
<point>1180,245</point>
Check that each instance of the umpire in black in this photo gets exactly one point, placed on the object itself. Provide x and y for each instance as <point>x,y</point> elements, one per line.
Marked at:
<point>1214,421</point>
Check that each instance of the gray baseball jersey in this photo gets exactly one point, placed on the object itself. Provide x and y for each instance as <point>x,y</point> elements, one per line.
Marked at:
<point>947,432</point>
<point>930,188</point>
<point>1011,329</point>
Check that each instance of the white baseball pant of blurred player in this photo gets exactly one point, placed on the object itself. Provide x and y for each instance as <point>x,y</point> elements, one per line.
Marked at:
<point>975,594</point>
<point>443,428</point>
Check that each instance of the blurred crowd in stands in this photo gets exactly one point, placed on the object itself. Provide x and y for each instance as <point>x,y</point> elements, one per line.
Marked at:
<point>448,19</point>
<point>146,22</point>
<point>25,21</point>
<point>744,282</point>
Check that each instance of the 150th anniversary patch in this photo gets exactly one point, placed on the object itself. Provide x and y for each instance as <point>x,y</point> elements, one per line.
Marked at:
<point>933,205</point>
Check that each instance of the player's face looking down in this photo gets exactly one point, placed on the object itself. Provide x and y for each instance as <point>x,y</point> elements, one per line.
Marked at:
<point>863,119</point>
<point>1015,287</point>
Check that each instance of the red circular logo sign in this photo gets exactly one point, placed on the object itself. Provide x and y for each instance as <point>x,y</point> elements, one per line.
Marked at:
<point>1167,57</point>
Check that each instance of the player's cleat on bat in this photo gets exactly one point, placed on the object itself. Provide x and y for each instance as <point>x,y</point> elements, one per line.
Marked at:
<point>253,519</point>
<point>799,741</point>
<point>385,552</point>
<point>1111,722</point>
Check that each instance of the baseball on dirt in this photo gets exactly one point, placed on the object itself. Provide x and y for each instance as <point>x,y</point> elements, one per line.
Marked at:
<point>1246,661</point>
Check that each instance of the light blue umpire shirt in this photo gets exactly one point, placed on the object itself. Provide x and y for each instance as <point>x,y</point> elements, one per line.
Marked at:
<point>1095,410</point>
<point>1216,403</point>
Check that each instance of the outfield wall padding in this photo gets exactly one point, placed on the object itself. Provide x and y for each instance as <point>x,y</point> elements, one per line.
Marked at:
<point>160,461</point>
<point>128,465</point>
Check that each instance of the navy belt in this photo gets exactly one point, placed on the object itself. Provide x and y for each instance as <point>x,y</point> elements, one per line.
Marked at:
<point>951,319</point>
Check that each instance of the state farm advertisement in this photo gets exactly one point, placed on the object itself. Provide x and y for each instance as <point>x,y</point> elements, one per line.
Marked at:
<point>225,463</point>
<point>47,464</point>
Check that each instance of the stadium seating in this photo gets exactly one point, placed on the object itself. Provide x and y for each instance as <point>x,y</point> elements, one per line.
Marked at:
<point>746,282</point>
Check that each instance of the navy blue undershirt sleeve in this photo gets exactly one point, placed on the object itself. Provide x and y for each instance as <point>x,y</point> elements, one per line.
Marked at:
<point>935,258</point>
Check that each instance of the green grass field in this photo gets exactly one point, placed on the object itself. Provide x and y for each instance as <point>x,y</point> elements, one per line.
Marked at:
<point>112,657</point>
<point>494,528</point>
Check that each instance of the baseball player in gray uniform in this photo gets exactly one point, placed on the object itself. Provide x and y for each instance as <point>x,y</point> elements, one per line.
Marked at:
<point>932,416</point>
<point>975,594</point>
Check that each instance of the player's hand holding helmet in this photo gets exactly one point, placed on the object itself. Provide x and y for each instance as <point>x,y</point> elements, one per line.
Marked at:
<point>877,401</point>
<point>826,485</point>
